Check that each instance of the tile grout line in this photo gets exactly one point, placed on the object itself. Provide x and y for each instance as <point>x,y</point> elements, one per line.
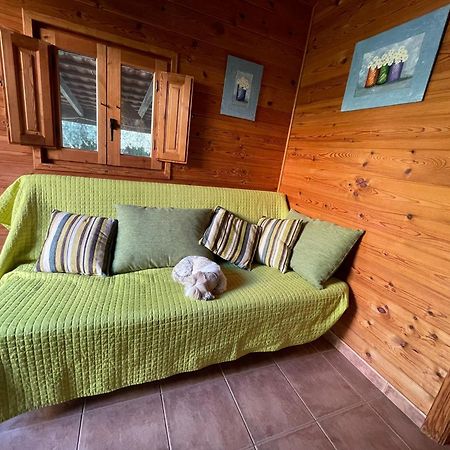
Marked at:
<point>326,435</point>
<point>166,424</point>
<point>318,350</point>
<point>306,406</point>
<point>285,432</point>
<point>388,425</point>
<point>364,402</point>
<point>248,369</point>
<point>295,390</point>
<point>342,410</point>
<point>81,424</point>
<point>371,374</point>
<point>345,379</point>
<point>238,408</point>
<point>332,413</point>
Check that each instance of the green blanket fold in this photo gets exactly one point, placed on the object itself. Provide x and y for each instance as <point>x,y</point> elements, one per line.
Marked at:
<point>65,336</point>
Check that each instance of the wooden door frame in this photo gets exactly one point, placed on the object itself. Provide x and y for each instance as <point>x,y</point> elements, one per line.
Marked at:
<point>32,18</point>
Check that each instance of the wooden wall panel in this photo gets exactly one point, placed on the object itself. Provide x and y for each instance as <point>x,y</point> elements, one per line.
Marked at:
<point>223,151</point>
<point>386,170</point>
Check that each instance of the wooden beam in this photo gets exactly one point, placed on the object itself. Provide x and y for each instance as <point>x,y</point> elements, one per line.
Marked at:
<point>146,102</point>
<point>437,422</point>
<point>70,97</point>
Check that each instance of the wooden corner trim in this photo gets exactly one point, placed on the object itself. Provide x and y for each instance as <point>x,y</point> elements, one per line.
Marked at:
<point>437,422</point>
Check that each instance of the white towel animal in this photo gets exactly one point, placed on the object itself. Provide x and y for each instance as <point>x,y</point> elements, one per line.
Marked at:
<point>201,277</point>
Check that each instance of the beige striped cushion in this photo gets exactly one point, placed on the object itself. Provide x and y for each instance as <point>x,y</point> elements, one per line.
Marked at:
<point>231,238</point>
<point>278,237</point>
<point>77,244</point>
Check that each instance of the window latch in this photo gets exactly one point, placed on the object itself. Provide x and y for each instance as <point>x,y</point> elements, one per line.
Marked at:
<point>113,125</point>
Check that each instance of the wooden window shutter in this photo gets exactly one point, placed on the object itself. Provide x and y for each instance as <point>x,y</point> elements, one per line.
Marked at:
<point>174,100</point>
<point>26,79</point>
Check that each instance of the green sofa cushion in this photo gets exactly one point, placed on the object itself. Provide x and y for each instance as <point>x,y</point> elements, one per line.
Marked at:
<point>158,237</point>
<point>321,248</point>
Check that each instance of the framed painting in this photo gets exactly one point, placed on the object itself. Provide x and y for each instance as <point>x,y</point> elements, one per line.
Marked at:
<point>241,88</point>
<point>394,67</point>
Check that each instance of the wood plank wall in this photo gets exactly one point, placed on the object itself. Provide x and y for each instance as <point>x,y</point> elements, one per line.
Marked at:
<point>223,151</point>
<point>385,170</point>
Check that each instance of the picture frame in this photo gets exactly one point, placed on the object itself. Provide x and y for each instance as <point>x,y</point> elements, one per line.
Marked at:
<point>241,88</point>
<point>394,67</point>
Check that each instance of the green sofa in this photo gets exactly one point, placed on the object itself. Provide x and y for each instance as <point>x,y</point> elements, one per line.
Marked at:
<point>66,336</point>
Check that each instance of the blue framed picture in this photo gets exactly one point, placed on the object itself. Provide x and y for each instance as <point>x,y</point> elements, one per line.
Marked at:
<point>241,88</point>
<point>394,67</point>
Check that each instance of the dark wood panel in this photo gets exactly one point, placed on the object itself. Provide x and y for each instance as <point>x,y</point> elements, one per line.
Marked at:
<point>385,170</point>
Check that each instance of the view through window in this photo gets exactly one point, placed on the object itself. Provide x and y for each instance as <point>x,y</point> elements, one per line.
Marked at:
<point>136,111</point>
<point>78,96</point>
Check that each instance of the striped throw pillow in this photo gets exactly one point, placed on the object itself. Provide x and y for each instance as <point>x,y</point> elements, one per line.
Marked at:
<point>77,244</point>
<point>231,238</point>
<point>278,237</point>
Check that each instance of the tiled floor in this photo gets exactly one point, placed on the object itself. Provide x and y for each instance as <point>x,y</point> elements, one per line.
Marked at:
<point>308,397</point>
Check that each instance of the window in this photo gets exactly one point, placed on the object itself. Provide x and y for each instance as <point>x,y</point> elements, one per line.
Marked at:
<point>132,78</point>
<point>107,108</point>
<point>136,111</point>
<point>78,100</point>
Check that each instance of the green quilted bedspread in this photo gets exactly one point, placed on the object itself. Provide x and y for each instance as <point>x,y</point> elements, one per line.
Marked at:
<point>67,336</point>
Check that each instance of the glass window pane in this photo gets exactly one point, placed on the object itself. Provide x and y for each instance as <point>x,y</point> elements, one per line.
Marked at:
<point>78,95</point>
<point>136,112</point>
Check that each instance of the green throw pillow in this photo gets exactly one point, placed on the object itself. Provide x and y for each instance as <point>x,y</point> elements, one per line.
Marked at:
<point>321,248</point>
<point>157,237</point>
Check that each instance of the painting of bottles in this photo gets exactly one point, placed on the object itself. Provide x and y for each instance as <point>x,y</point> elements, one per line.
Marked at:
<point>242,87</point>
<point>387,68</point>
<point>394,67</point>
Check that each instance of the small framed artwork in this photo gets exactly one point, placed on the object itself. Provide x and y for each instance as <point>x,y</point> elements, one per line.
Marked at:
<point>241,88</point>
<point>394,67</point>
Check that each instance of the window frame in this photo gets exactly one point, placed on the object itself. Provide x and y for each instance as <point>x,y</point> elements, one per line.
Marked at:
<point>63,40</point>
<point>75,161</point>
<point>117,56</point>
